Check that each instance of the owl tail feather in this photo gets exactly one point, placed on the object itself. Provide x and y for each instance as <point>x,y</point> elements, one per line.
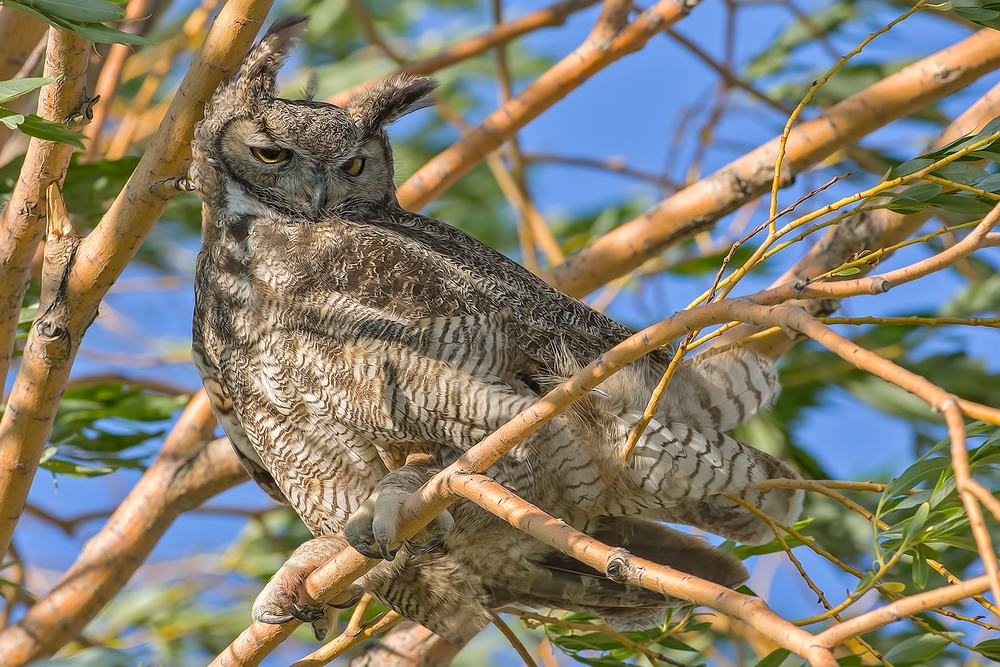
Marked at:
<point>434,590</point>
<point>682,475</point>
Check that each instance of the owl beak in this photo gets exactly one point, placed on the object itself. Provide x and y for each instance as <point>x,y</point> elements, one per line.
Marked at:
<point>319,199</point>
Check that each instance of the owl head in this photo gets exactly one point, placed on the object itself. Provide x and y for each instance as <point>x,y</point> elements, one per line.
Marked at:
<point>255,152</point>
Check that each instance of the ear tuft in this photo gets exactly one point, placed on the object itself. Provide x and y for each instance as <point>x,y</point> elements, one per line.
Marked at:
<point>389,100</point>
<point>259,72</point>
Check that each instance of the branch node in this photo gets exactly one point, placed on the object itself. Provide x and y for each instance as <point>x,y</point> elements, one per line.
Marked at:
<point>170,187</point>
<point>618,566</point>
<point>58,224</point>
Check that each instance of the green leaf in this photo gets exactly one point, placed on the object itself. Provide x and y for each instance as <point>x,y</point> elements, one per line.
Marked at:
<point>916,650</point>
<point>909,167</point>
<point>85,11</point>
<point>10,90</point>
<point>915,525</point>
<point>601,662</point>
<point>962,202</point>
<point>95,32</point>
<point>922,192</point>
<point>673,643</point>
<point>75,469</point>
<point>849,271</point>
<point>774,658</point>
<point>588,641</point>
<point>992,182</point>
<point>10,119</point>
<point>961,172</point>
<point>84,17</point>
<point>38,127</point>
<point>921,571</point>
<point>990,649</point>
<point>918,472</point>
<point>983,15</point>
<point>944,491</point>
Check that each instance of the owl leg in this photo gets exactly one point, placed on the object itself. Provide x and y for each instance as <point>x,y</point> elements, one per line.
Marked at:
<point>377,520</point>
<point>282,599</point>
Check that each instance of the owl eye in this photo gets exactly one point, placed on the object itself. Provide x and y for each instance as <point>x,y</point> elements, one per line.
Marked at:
<point>269,155</point>
<point>354,166</point>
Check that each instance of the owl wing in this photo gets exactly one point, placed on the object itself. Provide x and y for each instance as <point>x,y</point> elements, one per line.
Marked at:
<point>255,468</point>
<point>222,406</point>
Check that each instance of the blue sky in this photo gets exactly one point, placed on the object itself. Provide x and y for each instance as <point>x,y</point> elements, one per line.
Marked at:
<point>630,109</point>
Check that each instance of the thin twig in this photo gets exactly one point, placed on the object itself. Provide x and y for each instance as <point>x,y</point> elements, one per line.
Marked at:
<point>960,464</point>
<point>347,640</point>
<point>514,641</point>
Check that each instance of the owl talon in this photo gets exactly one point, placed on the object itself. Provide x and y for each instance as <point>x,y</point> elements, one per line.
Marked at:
<point>306,613</point>
<point>271,619</point>
<point>366,551</point>
<point>377,521</point>
<point>284,599</point>
<point>437,529</point>
<point>386,553</point>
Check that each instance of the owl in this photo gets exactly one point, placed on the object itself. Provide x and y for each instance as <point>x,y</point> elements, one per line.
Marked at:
<point>351,349</point>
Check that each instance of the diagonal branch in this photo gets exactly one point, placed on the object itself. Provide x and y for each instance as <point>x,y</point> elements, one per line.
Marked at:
<point>866,230</point>
<point>699,206</point>
<point>190,469</point>
<point>22,221</point>
<point>599,50</point>
<point>901,609</point>
<point>87,275</point>
<point>553,15</point>
<point>621,566</point>
<point>111,71</point>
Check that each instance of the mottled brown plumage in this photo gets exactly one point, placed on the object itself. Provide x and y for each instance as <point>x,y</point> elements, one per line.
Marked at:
<point>352,348</point>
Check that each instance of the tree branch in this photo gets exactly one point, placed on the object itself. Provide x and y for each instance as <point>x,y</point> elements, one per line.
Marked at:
<point>594,54</point>
<point>190,469</point>
<point>699,206</point>
<point>111,71</point>
<point>621,566</point>
<point>22,222</point>
<point>102,256</point>
<point>900,609</point>
<point>553,15</point>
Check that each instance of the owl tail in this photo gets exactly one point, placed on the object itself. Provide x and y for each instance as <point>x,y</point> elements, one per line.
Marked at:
<point>434,590</point>
<point>678,474</point>
<point>562,582</point>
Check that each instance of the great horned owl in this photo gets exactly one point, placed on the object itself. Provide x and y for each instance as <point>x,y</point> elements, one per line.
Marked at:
<point>352,348</point>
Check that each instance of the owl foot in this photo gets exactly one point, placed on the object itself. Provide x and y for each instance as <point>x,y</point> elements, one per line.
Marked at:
<point>377,521</point>
<point>283,598</point>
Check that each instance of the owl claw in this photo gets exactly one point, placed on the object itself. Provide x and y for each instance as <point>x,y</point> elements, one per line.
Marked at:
<point>377,521</point>
<point>270,619</point>
<point>366,551</point>
<point>283,598</point>
<point>388,554</point>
